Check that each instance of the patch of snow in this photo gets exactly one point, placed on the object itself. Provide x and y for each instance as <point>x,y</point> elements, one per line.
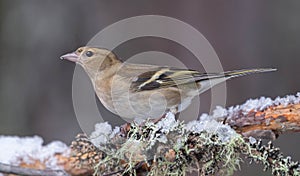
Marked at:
<point>204,117</point>
<point>115,131</point>
<point>287,100</point>
<point>14,148</point>
<point>252,140</point>
<point>102,134</point>
<point>224,132</point>
<point>162,139</point>
<point>258,104</point>
<point>50,150</point>
<point>220,111</point>
<point>167,123</point>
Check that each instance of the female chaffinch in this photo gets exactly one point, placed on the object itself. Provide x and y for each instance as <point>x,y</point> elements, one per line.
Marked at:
<point>145,91</point>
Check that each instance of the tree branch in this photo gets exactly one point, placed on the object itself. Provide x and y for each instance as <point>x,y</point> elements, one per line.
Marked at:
<point>18,170</point>
<point>211,145</point>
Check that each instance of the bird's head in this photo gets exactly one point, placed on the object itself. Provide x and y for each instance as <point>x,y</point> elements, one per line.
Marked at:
<point>92,59</point>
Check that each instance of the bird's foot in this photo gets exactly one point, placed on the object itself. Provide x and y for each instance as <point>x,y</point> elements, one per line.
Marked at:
<point>125,128</point>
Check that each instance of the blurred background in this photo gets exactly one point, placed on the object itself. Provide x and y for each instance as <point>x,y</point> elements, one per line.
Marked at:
<point>36,86</point>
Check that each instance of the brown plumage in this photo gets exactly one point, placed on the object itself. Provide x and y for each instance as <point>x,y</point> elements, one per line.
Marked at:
<point>144,91</point>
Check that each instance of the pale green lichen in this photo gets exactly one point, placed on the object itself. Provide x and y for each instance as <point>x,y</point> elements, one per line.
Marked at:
<point>203,151</point>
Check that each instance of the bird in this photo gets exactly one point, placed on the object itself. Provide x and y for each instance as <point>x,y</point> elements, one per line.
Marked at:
<point>140,91</point>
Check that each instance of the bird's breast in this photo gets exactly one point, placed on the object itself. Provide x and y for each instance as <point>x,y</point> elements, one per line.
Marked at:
<point>118,98</point>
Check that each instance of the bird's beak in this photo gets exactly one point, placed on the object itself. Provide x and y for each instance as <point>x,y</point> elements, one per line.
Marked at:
<point>71,57</point>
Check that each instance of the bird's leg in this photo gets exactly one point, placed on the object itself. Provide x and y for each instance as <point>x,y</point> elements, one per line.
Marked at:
<point>152,120</point>
<point>125,128</point>
<point>159,119</point>
<point>173,110</point>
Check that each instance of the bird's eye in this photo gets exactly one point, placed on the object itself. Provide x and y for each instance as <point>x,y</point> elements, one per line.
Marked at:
<point>89,54</point>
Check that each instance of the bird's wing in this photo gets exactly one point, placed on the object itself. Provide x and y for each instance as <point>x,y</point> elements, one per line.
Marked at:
<point>163,77</point>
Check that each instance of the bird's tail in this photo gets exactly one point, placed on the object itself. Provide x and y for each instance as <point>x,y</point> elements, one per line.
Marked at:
<point>209,80</point>
<point>238,73</point>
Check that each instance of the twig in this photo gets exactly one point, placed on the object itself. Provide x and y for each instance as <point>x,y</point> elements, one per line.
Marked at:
<point>9,169</point>
<point>139,165</point>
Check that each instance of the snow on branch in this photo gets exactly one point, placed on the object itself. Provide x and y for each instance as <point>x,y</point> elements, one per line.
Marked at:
<point>263,117</point>
<point>212,145</point>
<point>18,155</point>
